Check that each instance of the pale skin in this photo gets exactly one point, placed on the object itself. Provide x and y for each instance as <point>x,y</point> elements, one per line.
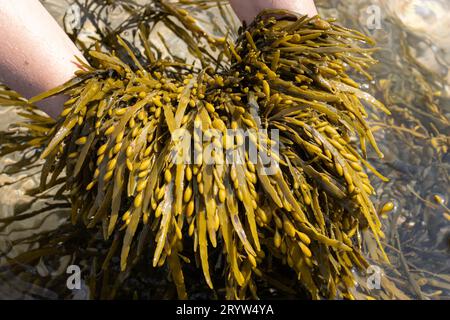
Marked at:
<point>246,10</point>
<point>36,55</point>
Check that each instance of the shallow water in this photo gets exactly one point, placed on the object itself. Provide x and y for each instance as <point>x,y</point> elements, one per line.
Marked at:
<point>414,46</point>
<point>417,230</point>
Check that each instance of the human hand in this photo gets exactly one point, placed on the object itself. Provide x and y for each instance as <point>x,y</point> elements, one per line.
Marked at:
<point>35,53</point>
<point>247,10</point>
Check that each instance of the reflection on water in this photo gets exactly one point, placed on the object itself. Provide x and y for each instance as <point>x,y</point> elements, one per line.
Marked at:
<point>412,79</point>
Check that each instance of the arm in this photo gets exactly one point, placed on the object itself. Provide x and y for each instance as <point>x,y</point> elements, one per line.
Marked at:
<point>249,9</point>
<point>35,53</point>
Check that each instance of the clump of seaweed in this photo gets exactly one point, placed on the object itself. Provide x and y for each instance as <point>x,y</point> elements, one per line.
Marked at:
<point>117,143</point>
